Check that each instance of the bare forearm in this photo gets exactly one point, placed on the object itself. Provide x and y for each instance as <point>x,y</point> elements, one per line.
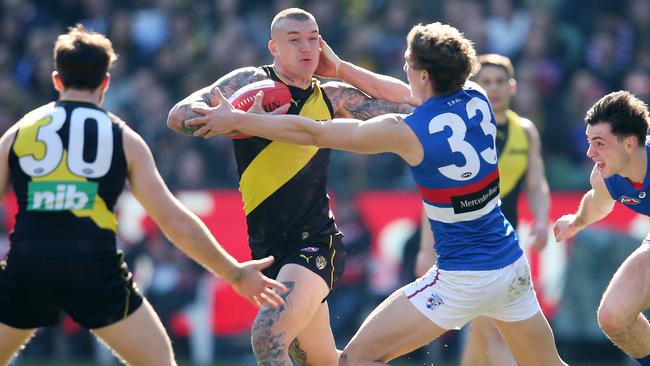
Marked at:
<point>539,199</point>
<point>376,85</point>
<point>193,238</point>
<point>590,211</point>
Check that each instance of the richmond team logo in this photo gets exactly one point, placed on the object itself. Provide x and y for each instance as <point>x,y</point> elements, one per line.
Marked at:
<point>630,200</point>
<point>321,262</point>
<point>434,301</point>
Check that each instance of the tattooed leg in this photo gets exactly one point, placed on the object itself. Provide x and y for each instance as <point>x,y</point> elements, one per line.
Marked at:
<point>269,344</point>
<point>297,354</point>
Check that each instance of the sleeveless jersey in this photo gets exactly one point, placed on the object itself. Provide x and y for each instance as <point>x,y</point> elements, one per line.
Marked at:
<point>626,193</point>
<point>67,169</point>
<point>283,185</point>
<point>458,180</point>
<point>513,148</point>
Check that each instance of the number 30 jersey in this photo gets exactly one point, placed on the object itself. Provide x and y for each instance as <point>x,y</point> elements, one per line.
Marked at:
<point>68,168</point>
<point>458,180</point>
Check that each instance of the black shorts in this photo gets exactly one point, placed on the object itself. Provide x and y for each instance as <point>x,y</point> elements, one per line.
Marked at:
<point>95,290</point>
<point>324,256</point>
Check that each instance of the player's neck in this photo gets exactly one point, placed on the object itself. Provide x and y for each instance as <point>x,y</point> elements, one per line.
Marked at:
<point>302,83</point>
<point>638,166</point>
<point>93,97</point>
<point>500,116</point>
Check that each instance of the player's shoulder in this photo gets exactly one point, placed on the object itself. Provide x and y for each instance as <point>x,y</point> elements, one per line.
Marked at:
<point>238,78</point>
<point>526,123</point>
<point>529,127</point>
<point>248,74</point>
<point>475,87</point>
<point>134,145</point>
<point>36,114</point>
<point>116,119</point>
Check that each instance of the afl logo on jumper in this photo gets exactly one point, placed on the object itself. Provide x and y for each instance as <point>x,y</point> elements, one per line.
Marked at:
<point>630,200</point>
<point>642,195</point>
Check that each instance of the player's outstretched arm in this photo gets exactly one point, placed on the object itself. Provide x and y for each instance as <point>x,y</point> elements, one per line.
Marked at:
<point>385,133</point>
<point>595,205</point>
<point>228,84</point>
<point>537,187</point>
<point>376,85</point>
<point>188,232</point>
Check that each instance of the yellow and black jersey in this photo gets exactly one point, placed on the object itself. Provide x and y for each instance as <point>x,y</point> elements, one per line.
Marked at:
<point>513,147</point>
<point>67,169</point>
<point>283,185</point>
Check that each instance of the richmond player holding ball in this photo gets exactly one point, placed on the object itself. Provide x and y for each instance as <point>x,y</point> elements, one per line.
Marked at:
<point>283,188</point>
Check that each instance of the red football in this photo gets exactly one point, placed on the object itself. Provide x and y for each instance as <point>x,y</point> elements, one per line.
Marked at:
<point>276,94</point>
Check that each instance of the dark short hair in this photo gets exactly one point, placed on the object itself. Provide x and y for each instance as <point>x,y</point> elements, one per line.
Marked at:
<point>82,58</point>
<point>625,113</point>
<point>496,60</point>
<point>444,53</point>
<point>291,13</point>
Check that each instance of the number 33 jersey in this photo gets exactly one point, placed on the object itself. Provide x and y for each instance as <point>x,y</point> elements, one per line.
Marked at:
<point>458,180</point>
<point>67,168</point>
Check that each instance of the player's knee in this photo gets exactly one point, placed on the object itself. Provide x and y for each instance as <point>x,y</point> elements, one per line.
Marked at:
<point>611,320</point>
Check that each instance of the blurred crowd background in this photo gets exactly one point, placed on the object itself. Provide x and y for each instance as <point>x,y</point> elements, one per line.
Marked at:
<point>567,54</point>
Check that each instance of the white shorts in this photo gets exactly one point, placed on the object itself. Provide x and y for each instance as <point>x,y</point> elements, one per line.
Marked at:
<point>451,299</point>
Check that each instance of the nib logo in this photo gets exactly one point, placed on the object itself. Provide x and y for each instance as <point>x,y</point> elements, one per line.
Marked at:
<point>58,196</point>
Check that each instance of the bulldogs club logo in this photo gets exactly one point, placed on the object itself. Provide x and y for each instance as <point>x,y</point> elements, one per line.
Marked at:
<point>434,301</point>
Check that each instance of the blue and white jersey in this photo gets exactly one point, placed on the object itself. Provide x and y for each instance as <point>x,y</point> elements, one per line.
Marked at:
<point>459,181</point>
<point>631,195</point>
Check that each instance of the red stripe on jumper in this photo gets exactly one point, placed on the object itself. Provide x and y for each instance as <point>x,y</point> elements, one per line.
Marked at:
<point>443,195</point>
<point>435,279</point>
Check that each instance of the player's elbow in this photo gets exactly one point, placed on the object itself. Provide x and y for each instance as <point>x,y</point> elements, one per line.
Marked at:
<point>174,118</point>
<point>318,140</point>
<point>318,135</point>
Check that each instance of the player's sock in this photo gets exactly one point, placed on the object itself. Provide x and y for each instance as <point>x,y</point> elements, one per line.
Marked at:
<point>645,361</point>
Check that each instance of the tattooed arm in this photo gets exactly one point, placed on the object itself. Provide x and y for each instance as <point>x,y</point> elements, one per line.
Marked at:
<point>228,84</point>
<point>349,102</point>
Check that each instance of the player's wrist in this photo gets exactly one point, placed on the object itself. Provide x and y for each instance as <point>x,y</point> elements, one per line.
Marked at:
<point>578,223</point>
<point>340,69</point>
<point>233,274</point>
<point>542,225</point>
